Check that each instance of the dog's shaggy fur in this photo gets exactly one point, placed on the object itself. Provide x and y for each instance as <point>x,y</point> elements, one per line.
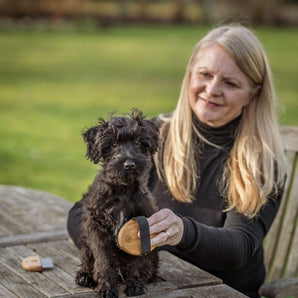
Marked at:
<point>124,147</point>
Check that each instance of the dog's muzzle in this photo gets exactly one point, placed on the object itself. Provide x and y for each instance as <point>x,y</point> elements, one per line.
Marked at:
<point>129,164</point>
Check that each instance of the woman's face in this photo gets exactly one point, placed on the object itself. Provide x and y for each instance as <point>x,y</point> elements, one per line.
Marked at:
<point>218,89</point>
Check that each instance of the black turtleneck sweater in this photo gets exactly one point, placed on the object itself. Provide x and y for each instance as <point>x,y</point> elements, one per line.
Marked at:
<point>225,244</point>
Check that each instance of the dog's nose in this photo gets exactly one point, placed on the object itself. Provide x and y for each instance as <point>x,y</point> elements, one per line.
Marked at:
<point>129,164</point>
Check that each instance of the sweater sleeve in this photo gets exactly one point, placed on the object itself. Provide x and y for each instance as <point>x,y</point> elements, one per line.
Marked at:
<point>230,247</point>
<point>74,220</point>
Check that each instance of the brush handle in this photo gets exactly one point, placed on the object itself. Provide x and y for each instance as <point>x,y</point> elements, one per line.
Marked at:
<point>32,263</point>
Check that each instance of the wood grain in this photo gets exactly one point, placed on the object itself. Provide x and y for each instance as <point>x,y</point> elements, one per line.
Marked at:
<point>281,244</point>
<point>128,239</point>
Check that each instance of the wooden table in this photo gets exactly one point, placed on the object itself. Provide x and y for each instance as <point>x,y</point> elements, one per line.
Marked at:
<point>34,222</point>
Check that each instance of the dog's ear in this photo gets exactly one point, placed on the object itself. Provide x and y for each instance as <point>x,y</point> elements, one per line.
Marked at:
<point>150,135</point>
<point>152,132</point>
<point>92,137</point>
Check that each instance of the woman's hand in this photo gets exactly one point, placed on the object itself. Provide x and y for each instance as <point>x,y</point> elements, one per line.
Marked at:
<point>168,227</point>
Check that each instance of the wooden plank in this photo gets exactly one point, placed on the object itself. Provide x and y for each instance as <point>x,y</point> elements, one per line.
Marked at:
<point>289,136</point>
<point>281,288</point>
<point>32,196</point>
<point>17,285</point>
<point>287,232</point>
<point>68,265</point>
<point>65,262</point>
<point>271,240</point>
<point>46,202</point>
<point>158,287</point>
<point>31,217</point>
<point>292,264</point>
<point>36,204</point>
<point>33,237</point>
<point>218,291</point>
<point>182,273</point>
<point>153,289</point>
<point>92,294</point>
<point>4,292</point>
<point>30,221</point>
<point>66,247</point>
<point>57,274</point>
<point>3,230</point>
<point>56,250</point>
<point>45,285</point>
<point>11,224</point>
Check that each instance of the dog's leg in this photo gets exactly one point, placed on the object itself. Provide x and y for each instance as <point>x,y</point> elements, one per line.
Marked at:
<point>84,276</point>
<point>105,271</point>
<point>107,284</point>
<point>134,288</point>
<point>139,271</point>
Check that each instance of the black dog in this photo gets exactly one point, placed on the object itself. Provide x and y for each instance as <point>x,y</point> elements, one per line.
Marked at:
<point>124,147</point>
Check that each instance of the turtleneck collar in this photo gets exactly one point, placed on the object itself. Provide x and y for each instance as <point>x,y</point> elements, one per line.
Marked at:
<point>223,136</point>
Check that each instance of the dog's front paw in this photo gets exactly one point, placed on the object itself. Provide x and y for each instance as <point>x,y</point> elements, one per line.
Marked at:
<point>85,279</point>
<point>111,293</point>
<point>134,288</point>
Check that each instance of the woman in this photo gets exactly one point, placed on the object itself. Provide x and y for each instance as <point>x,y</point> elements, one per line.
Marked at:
<point>219,176</point>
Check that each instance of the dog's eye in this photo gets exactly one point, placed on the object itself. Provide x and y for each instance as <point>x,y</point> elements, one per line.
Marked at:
<point>137,142</point>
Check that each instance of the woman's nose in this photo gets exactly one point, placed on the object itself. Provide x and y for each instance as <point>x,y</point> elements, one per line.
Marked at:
<point>213,87</point>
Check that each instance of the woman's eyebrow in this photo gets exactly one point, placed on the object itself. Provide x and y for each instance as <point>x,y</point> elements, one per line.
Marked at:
<point>224,77</point>
<point>202,69</point>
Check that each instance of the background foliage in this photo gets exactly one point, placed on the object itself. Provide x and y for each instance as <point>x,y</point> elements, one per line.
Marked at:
<point>55,84</point>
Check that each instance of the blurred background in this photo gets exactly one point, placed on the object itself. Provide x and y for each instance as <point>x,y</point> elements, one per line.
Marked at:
<point>64,63</point>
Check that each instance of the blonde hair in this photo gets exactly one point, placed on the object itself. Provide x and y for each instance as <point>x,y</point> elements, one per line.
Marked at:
<point>256,166</point>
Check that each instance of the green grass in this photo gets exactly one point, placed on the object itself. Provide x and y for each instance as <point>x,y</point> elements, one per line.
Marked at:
<point>54,84</point>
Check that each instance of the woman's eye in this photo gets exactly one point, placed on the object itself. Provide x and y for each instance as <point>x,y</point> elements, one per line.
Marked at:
<point>205,74</point>
<point>231,84</point>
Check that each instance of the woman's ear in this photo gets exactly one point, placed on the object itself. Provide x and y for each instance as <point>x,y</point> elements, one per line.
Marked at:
<point>255,93</point>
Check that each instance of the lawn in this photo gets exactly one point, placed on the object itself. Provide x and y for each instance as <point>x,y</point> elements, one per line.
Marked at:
<point>55,84</point>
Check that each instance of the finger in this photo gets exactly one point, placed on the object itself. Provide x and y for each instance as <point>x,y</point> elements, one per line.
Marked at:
<point>163,238</point>
<point>171,236</point>
<point>160,239</point>
<point>157,221</point>
<point>158,216</point>
<point>169,223</point>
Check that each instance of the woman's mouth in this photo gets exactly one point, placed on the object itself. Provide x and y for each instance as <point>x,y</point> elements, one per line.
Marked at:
<point>209,103</point>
